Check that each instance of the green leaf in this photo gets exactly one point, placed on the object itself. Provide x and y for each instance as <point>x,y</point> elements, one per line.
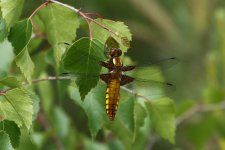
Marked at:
<point>62,122</point>
<point>35,102</point>
<point>83,59</point>
<point>20,35</point>
<point>17,107</point>
<point>162,116</point>
<point>60,26</point>
<point>139,117</point>
<point>94,107</point>
<point>11,82</point>
<point>26,65</point>
<point>3,29</point>
<point>46,94</point>
<point>6,57</point>
<point>207,126</point>
<point>123,35</point>
<point>126,113</point>
<point>121,132</point>
<point>5,141</point>
<point>12,130</point>
<point>11,10</point>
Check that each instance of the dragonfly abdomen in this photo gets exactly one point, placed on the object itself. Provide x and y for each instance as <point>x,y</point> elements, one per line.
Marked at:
<point>112,97</point>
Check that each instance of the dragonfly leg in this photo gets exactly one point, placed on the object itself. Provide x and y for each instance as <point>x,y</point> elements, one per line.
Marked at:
<point>127,68</point>
<point>126,79</point>
<point>105,77</point>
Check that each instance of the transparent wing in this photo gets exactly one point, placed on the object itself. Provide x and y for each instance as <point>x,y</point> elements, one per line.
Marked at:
<point>152,68</point>
<point>150,88</point>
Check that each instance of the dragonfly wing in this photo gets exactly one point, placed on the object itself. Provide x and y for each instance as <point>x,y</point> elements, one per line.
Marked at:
<point>153,68</point>
<point>150,88</point>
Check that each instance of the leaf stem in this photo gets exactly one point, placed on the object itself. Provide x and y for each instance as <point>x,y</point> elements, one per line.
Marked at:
<point>2,92</point>
<point>85,16</point>
<point>39,8</point>
<point>93,14</point>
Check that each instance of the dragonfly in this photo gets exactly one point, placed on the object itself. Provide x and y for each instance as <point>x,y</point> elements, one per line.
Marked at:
<point>116,76</point>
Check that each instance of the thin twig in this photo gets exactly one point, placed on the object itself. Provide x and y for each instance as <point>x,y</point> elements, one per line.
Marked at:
<point>84,16</point>
<point>39,80</point>
<point>69,78</point>
<point>50,78</point>
<point>199,108</point>
<point>93,14</point>
<point>136,94</point>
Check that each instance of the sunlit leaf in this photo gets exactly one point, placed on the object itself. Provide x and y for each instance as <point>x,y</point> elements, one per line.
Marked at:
<point>83,59</point>
<point>139,116</point>
<point>62,122</point>
<point>94,107</point>
<point>121,132</point>
<point>35,101</point>
<point>126,113</point>
<point>12,130</point>
<point>162,115</point>
<point>60,26</point>
<point>26,65</point>
<point>6,57</point>
<point>19,36</point>
<point>121,32</point>
<point>3,29</point>
<point>17,106</point>
<point>11,82</point>
<point>5,141</point>
<point>11,10</point>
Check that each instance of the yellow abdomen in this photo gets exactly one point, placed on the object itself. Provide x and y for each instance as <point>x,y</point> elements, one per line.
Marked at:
<point>112,98</point>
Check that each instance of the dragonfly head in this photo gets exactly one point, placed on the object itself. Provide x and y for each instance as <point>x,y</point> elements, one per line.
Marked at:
<point>115,52</point>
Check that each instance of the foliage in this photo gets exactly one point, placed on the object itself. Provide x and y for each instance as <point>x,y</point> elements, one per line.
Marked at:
<point>69,112</point>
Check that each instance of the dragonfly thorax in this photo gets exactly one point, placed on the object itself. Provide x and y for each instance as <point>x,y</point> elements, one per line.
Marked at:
<point>116,74</point>
<point>117,62</point>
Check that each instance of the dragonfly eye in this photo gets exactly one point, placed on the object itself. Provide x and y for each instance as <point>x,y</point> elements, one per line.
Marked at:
<point>115,52</point>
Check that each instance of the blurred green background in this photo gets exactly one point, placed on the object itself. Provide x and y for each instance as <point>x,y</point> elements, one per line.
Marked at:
<point>194,32</point>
